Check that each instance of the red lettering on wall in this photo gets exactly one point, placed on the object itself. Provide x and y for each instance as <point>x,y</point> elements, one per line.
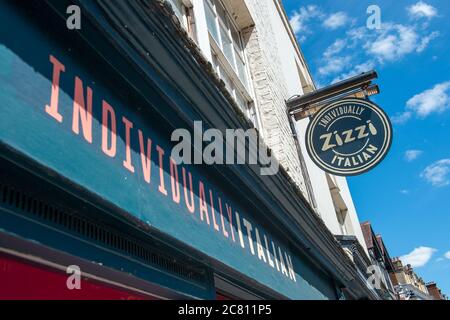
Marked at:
<point>216,226</point>
<point>145,156</point>
<point>52,109</point>
<point>225,232</point>
<point>82,111</point>
<point>109,113</point>
<point>230,217</point>
<point>161,187</point>
<point>127,162</point>
<point>174,181</point>
<point>190,206</point>
<point>203,207</point>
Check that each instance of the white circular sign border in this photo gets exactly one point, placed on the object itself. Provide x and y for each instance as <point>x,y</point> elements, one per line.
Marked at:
<point>372,163</point>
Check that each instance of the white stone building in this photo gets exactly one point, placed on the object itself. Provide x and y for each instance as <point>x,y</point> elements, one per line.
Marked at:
<point>255,52</point>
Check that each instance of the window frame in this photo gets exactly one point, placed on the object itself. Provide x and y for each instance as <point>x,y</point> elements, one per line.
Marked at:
<point>237,49</point>
<point>187,19</point>
<point>175,8</point>
<point>226,68</point>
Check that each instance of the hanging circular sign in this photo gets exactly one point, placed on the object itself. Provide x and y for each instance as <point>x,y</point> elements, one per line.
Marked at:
<point>349,137</point>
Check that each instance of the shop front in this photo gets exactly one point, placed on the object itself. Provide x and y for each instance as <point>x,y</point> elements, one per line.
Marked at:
<point>88,179</point>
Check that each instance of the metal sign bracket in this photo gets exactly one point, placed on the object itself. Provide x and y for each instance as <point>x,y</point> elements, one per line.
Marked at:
<point>360,86</point>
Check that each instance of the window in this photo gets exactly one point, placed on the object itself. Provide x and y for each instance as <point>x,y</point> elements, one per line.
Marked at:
<point>211,22</point>
<point>227,38</point>
<point>243,103</point>
<point>228,56</point>
<point>183,10</point>
<point>341,216</point>
<point>178,8</point>
<point>241,69</point>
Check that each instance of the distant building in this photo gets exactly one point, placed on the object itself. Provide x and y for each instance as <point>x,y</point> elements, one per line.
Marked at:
<point>435,291</point>
<point>380,261</point>
<point>408,285</point>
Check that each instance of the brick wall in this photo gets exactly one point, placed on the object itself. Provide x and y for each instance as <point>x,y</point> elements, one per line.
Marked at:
<point>270,90</point>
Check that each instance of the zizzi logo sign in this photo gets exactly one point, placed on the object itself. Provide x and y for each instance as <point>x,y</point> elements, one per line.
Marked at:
<point>349,137</point>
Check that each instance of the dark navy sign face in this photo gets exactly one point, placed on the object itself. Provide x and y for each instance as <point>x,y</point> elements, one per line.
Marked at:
<point>349,137</point>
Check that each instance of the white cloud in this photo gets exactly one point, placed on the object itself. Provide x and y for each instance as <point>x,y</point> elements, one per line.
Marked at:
<point>300,17</point>
<point>422,10</point>
<point>362,49</point>
<point>438,173</point>
<point>411,155</point>
<point>384,46</point>
<point>368,48</point>
<point>435,100</point>
<point>426,40</point>
<point>335,48</point>
<point>394,42</point>
<point>418,257</point>
<point>447,255</point>
<point>297,23</point>
<point>358,69</point>
<point>358,34</point>
<point>404,191</point>
<point>401,118</point>
<point>336,20</point>
<point>334,65</point>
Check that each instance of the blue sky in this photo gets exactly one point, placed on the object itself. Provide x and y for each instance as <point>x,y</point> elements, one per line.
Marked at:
<point>407,196</point>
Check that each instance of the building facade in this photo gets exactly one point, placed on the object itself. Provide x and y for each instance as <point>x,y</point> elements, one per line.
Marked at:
<point>88,180</point>
<point>434,291</point>
<point>408,285</point>
<point>277,71</point>
<point>381,260</point>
